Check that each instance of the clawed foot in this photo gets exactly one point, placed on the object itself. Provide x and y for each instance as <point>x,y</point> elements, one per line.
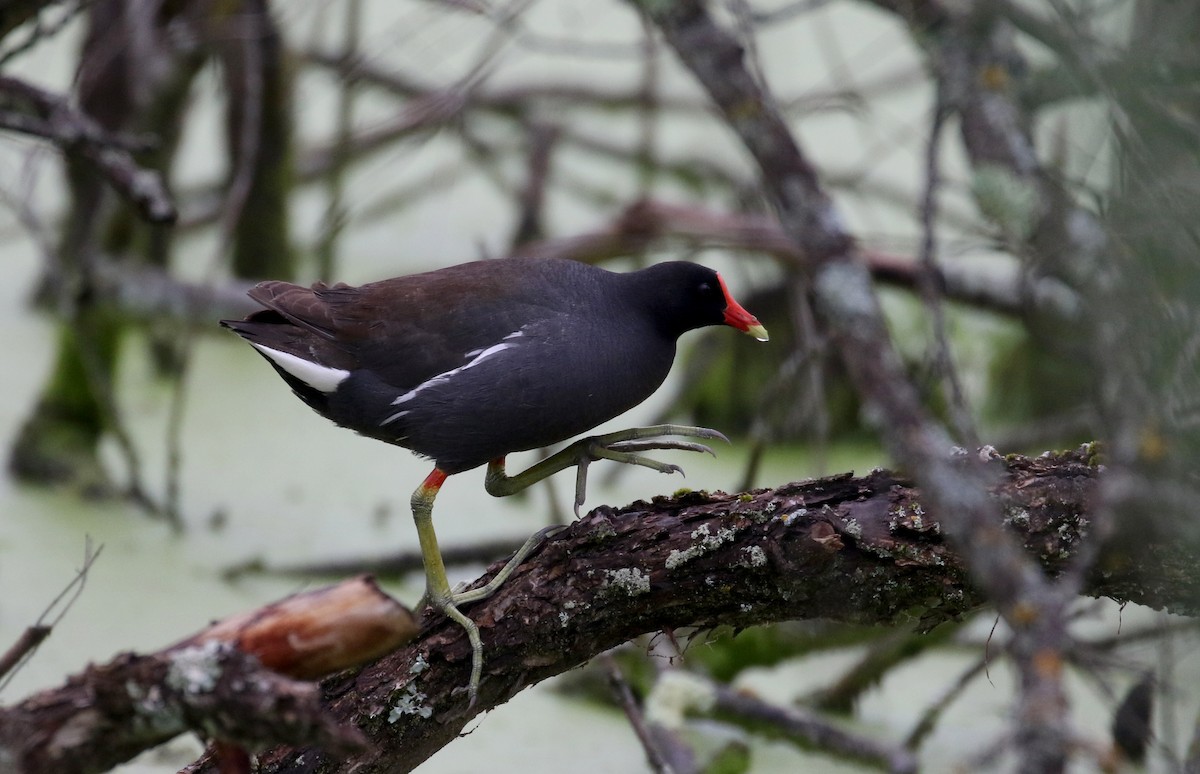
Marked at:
<point>622,446</point>
<point>449,604</point>
<point>625,446</point>
<point>446,606</point>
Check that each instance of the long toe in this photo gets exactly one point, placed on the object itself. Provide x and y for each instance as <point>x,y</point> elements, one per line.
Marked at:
<point>641,446</point>
<point>603,452</point>
<point>659,431</point>
<point>452,612</point>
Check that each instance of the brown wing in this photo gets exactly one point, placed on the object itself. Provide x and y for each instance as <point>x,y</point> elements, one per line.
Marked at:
<point>298,305</point>
<point>409,329</point>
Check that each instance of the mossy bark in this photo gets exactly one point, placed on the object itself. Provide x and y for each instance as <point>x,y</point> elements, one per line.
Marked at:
<point>58,442</point>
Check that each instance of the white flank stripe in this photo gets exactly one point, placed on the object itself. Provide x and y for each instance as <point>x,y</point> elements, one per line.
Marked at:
<point>445,376</point>
<point>319,377</point>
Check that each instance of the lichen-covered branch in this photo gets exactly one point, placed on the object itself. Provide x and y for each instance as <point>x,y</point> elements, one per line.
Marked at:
<point>845,548</point>
<point>110,713</point>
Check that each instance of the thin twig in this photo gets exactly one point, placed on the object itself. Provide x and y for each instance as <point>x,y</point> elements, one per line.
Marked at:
<point>249,144</point>
<point>809,729</point>
<point>930,277</point>
<point>543,139</point>
<point>929,718</point>
<point>620,688</point>
<point>648,114</point>
<point>27,644</point>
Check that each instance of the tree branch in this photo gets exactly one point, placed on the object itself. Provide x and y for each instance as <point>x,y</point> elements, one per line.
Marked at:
<point>647,223</point>
<point>30,110</point>
<point>229,682</point>
<point>863,550</point>
<point>110,713</point>
<point>846,300</point>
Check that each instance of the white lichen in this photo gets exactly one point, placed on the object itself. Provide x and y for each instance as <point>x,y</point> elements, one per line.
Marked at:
<point>755,556</point>
<point>410,702</point>
<point>706,542</point>
<point>678,558</point>
<point>154,715</point>
<point>196,669</point>
<point>1017,515</point>
<point>630,580</point>
<point>800,513</point>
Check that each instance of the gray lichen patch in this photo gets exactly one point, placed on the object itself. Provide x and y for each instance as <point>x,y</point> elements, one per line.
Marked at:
<point>706,542</point>
<point>154,714</point>
<point>911,516</point>
<point>629,580</point>
<point>799,513</point>
<point>410,702</point>
<point>755,557</point>
<point>1016,515</point>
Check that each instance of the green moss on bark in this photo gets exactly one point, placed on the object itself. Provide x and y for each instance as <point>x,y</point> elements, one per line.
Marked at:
<point>57,445</point>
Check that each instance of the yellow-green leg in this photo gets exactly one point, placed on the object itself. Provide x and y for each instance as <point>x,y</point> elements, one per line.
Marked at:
<point>437,586</point>
<point>622,446</point>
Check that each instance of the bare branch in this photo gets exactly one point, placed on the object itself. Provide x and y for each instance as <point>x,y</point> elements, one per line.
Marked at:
<point>51,117</point>
<point>809,729</point>
<point>652,739</point>
<point>110,713</point>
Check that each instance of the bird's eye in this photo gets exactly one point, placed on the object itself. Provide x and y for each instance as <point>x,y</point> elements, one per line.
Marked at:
<point>705,289</point>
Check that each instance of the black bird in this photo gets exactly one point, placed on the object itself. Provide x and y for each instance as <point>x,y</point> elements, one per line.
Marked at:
<point>466,364</point>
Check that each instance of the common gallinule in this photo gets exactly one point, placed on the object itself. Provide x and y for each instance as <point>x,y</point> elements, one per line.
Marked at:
<point>468,363</point>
